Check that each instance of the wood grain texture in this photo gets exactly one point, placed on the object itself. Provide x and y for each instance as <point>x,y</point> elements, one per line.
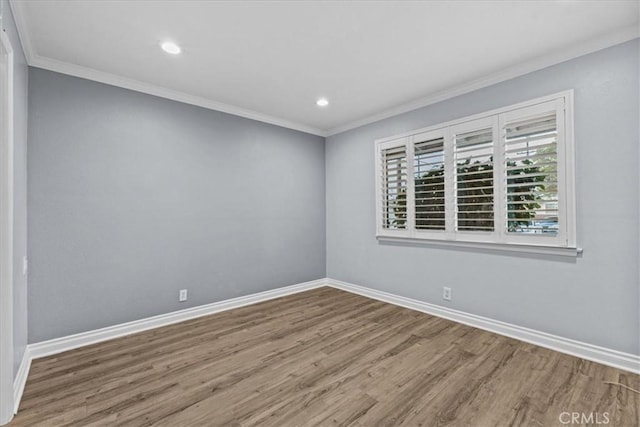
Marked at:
<point>322,357</point>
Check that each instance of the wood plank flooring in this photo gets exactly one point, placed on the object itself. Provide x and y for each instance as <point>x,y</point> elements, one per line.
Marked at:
<point>322,357</point>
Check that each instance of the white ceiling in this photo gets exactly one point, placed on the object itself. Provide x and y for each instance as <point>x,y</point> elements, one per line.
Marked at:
<point>272,60</point>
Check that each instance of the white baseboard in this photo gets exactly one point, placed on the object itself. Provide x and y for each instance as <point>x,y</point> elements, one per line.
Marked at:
<point>617,359</point>
<point>21,379</point>
<point>58,345</point>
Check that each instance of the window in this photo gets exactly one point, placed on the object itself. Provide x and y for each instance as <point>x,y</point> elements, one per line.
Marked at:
<point>394,164</point>
<point>474,180</point>
<point>428,176</point>
<point>504,177</point>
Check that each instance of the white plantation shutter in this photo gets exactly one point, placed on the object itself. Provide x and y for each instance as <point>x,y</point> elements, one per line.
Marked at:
<point>429,185</point>
<point>504,177</point>
<point>531,165</point>
<point>394,187</point>
<point>474,183</point>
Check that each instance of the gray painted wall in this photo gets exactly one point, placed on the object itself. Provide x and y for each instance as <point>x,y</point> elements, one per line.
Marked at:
<point>133,197</point>
<point>593,298</point>
<point>20,76</point>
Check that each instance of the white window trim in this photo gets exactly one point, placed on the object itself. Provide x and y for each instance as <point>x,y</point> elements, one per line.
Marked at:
<point>499,239</point>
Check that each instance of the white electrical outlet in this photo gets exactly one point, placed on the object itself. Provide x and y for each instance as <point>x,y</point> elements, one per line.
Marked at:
<point>183,295</point>
<point>446,293</point>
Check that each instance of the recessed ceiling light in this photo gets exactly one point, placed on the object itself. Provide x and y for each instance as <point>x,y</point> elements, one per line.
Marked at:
<point>322,102</point>
<point>171,47</point>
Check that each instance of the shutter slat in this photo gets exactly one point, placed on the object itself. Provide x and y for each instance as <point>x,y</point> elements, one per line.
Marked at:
<point>537,164</point>
<point>551,156</point>
<point>472,181</point>
<point>523,202</point>
<point>526,184</point>
<point>521,176</point>
<point>474,228</point>
<point>474,190</point>
<point>523,147</point>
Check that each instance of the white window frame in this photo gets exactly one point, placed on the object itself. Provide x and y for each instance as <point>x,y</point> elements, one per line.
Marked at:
<point>564,243</point>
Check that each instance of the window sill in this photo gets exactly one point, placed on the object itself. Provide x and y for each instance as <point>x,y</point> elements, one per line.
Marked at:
<point>506,247</point>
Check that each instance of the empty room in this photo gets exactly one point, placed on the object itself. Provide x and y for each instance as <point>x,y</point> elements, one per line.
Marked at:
<point>320,213</point>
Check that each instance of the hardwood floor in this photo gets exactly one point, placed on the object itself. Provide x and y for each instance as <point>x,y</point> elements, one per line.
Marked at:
<point>322,357</point>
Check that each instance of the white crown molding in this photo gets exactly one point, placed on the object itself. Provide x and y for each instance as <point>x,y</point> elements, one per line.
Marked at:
<point>617,359</point>
<point>21,378</point>
<point>36,60</point>
<point>593,45</point>
<point>605,356</point>
<point>162,92</point>
<point>19,17</point>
